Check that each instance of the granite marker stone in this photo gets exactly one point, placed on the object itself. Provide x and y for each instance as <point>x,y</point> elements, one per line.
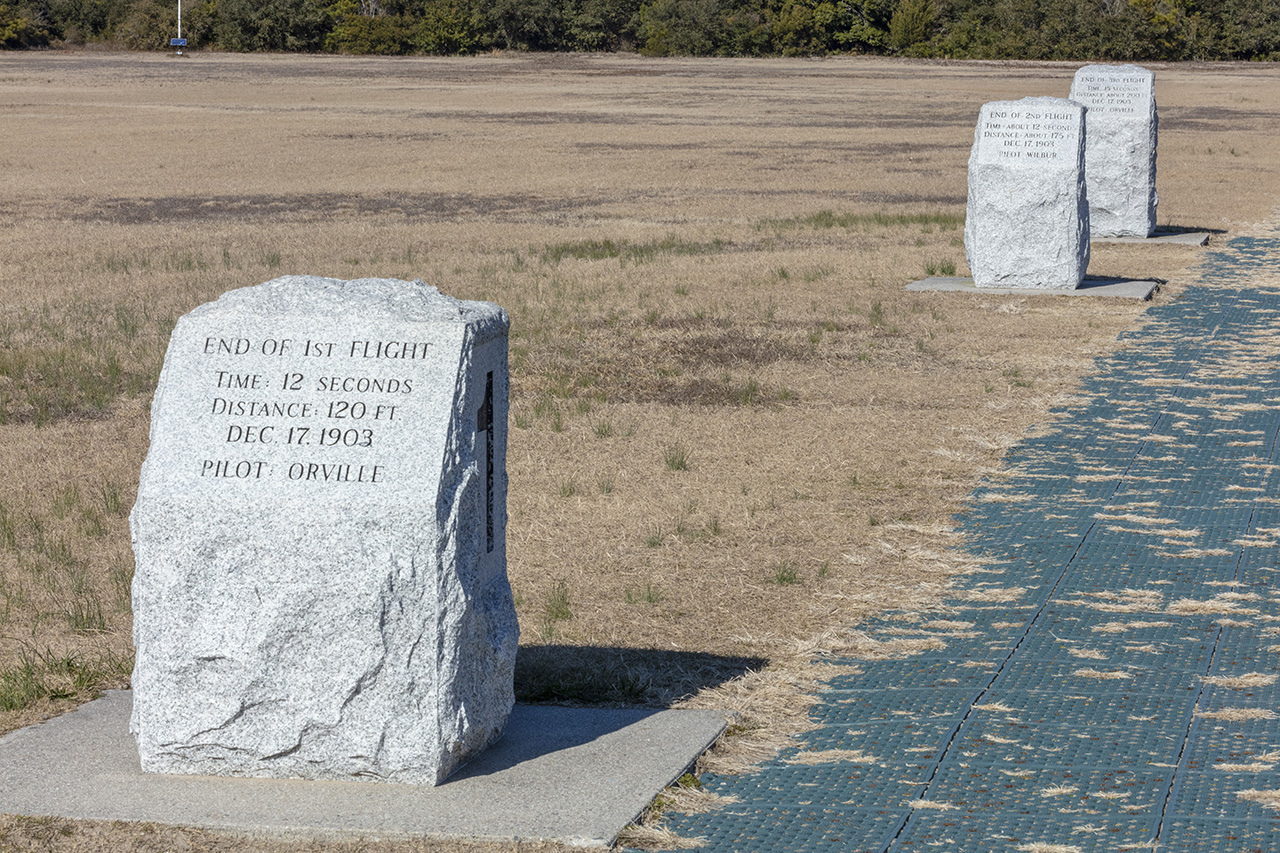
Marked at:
<point>321,586</point>
<point>1027,220</point>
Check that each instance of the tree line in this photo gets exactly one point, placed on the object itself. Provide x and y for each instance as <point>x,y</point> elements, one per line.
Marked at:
<point>1111,30</point>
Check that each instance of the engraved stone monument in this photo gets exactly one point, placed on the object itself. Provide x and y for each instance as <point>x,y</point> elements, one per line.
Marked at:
<point>1027,221</point>
<point>321,586</point>
<point>1120,148</point>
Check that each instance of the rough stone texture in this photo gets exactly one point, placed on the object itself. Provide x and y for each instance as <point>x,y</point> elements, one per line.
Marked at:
<point>320,587</point>
<point>1027,222</point>
<point>1120,148</point>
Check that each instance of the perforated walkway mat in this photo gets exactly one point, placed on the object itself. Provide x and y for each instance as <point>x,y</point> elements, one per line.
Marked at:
<point>1109,680</point>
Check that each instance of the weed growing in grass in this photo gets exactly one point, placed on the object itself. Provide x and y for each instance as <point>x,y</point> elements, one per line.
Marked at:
<point>876,315</point>
<point>830,219</point>
<point>605,485</point>
<point>121,574</point>
<point>624,250</point>
<point>84,613</point>
<point>785,574</point>
<point>545,406</point>
<point>65,500</point>
<point>555,608</point>
<point>20,685</point>
<point>568,488</point>
<point>1016,380</point>
<point>185,262</point>
<point>603,429</point>
<point>110,494</point>
<point>91,524</point>
<point>650,595</point>
<point>676,458</point>
<point>38,675</point>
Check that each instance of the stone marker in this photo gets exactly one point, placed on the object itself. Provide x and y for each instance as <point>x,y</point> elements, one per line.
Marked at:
<point>1027,222</point>
<point>1120,148</point>
<point>321,585</point>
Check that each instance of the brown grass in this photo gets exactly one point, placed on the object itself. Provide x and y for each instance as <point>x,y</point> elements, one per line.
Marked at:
<point>832,756</point>
<point>1241,682</point>
<point>698,256</point>
<point>1269,798</point>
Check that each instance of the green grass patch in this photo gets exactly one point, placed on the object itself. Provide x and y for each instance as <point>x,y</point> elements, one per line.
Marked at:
<point>555,608</point>
<point>625,251</point>
<point>39,675</point>
<point>77,361</point>
<point>831,219</point>
<point>785,574</point>
<point>676,458</point>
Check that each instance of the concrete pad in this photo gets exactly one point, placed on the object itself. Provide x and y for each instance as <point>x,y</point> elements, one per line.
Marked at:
<point>573,775</point>
<point>1184,238</point>
<point>1123,288</point>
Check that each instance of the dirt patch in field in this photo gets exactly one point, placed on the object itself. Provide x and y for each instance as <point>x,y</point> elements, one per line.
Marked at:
<point>310,208</point>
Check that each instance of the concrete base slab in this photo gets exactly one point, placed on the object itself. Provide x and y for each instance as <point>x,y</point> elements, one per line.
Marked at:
<point>1115,287</point>
<point>573,775</point>
<point>1184,238</point>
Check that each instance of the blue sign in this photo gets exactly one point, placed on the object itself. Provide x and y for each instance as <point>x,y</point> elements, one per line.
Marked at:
<point>177,42</point>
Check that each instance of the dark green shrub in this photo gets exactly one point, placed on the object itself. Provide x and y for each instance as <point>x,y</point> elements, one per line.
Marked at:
<point>22,27</point>
<point>912,23</point>
<point>681,27</point>
<point>149,26</point>
<point>380,36</point>
<point>279,25</point>
<point>449,28</point>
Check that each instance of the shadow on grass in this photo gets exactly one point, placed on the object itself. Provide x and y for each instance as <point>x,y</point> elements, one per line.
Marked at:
<point>594,675</point>
<point>1165,230</point>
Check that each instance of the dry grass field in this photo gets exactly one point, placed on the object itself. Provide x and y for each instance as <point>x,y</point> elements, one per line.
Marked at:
<point>734,434</point>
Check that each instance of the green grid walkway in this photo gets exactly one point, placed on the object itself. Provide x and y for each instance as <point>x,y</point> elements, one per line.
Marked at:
<point>1124,695</point>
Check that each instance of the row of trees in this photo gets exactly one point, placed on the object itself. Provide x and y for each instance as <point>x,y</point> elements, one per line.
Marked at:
<point>1134,30</point>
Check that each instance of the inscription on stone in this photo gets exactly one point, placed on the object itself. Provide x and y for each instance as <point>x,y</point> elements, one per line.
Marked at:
<point>1014,135</point>
<point>1120,148</point>
<point>1114,93</point>
<point>278,410</point>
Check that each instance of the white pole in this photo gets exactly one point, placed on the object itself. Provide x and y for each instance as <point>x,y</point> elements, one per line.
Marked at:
<point>179,18</point>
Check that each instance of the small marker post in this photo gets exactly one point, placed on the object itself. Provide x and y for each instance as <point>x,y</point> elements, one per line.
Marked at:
<point>179,42</point>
